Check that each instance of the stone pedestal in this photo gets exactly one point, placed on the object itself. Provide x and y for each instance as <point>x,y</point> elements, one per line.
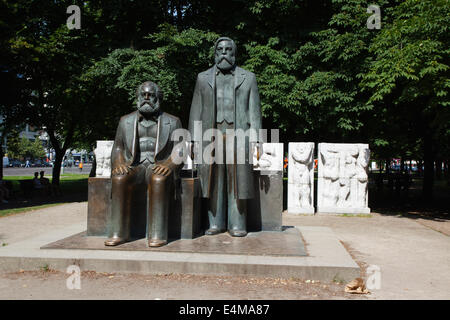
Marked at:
<point>184,213</point>
<point>99,206</point>
<point>185,219</point>
<point>264,211</point>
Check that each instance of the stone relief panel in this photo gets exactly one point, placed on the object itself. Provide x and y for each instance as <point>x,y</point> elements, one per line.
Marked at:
<point>301,177</point>
<point>103,158</point>
<point>343,178</point>
<point>271,158</point>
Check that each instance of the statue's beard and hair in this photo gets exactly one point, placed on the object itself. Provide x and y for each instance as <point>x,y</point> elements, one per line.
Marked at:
<point>147,109</point>
<point>225,62</point>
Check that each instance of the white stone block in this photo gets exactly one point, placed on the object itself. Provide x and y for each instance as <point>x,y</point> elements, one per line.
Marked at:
<point>271,158</point>
<point>188,163</point>
<point>103,158</point>
<point>343,178</point>
<point>301,178</point>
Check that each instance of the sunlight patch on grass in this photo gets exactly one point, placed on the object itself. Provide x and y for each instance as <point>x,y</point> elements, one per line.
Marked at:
<point>8,212</point>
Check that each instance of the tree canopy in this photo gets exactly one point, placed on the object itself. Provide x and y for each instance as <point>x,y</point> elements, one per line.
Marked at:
<point>323,76</point>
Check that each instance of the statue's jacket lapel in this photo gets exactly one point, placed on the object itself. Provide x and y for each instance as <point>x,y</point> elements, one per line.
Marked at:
<point>164,130</point>
<point>131,140</point>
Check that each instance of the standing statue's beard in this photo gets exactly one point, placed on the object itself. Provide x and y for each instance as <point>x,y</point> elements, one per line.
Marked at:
<point>147,109</point>
<point>224,63</point>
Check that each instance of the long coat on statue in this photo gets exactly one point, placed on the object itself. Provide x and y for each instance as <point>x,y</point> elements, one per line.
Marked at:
<point>247,114</point>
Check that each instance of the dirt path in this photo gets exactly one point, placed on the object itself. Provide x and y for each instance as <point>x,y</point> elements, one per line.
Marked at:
<point>52,285</point>
<point>414,260</point>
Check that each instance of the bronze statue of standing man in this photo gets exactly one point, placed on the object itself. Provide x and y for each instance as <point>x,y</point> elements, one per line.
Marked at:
<point>226,98</point>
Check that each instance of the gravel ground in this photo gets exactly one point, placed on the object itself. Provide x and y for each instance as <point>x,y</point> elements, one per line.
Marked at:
<point>52,285</point>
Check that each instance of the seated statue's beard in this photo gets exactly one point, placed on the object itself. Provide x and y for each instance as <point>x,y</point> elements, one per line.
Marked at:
<point>224,63</point>
<point>148,110</point>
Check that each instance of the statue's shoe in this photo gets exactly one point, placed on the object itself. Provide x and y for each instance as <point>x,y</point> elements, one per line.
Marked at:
<point>237,233</point>
<point>213,231</point>
<point>156,243</point>
<point>111,242</point>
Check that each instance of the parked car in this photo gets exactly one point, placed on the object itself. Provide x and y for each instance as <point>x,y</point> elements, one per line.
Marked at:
<point>68,163</point>
<point>47,164</point>
<point>37,163</point>
<point>16,164</point>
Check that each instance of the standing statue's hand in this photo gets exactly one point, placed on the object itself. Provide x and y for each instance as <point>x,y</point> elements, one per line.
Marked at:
<point>162,170</point>
<point>121,170</point>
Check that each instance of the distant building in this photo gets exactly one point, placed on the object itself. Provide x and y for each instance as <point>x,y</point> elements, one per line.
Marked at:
<point>31,133</point>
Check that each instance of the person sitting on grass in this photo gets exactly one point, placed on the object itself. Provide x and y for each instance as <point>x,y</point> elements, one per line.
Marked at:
<point>45,182</point>
<point>51,189</point>
<point>4,191</point>
<point>37,184</point>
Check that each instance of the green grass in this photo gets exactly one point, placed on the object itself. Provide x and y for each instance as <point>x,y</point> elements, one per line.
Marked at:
<point>70,183</point>
<point>45,268</point>
<point>8,212</point>
<point>356,215</point>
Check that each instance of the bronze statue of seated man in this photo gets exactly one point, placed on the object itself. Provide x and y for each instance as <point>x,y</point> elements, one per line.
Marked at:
<point>141,155</point>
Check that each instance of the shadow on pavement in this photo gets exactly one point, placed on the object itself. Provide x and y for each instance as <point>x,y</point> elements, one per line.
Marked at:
<point>410,203</point>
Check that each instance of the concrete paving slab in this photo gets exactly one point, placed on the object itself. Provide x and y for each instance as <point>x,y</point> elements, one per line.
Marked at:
<point>327,259</point>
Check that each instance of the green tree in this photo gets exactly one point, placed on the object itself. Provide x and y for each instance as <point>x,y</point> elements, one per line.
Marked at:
<point>173,65</point>
<point>42,61</point>
<point>22,148</point>
<point>13,144</point>
<point>409,74</point>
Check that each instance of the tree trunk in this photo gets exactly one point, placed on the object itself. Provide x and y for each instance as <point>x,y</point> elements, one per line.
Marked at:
<point>428,178</point>
<point>1,152</point>
<point>447,172</point>
<point>446,176</point>
<point>438,169</point>
<point>94,168</point>
<point>59,152</point>
<point>59,155</point>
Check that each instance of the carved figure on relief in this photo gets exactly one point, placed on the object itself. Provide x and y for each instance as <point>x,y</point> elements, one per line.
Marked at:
<point>302,156</point>
<point>330,160</point>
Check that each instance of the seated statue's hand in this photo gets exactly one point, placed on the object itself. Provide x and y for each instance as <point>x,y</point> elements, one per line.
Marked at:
<point>162,170</point>
<point>121,170</point>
